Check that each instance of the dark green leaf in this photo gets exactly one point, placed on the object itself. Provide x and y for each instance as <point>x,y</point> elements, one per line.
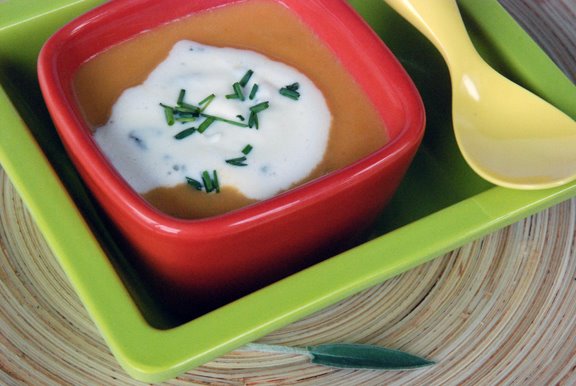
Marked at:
<point>360,356</point>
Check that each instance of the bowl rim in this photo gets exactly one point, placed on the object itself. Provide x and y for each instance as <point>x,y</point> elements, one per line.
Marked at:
<point>141,211</point>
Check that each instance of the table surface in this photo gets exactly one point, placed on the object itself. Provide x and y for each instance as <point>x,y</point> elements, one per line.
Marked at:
<point>501,309</point>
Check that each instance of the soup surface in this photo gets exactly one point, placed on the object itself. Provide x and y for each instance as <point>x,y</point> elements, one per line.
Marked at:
<point>338,119</point>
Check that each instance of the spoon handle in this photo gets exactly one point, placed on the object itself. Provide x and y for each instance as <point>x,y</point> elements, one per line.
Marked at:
<point>440,21</point>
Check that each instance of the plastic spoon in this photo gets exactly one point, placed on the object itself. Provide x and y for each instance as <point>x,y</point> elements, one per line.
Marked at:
<point>508,135</point>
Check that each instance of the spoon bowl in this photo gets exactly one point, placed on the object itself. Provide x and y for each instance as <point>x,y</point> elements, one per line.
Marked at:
<point>508,135</point>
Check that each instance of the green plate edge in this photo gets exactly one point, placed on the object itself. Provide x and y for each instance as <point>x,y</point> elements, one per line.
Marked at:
<point>153,355</point>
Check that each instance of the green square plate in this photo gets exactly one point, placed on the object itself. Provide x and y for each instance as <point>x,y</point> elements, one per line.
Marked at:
<point>441,205</point>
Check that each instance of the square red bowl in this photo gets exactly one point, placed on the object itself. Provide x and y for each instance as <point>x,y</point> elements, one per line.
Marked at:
<point>196,265</point>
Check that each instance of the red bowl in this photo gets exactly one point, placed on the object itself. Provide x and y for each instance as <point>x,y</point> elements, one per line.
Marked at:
<point>199,264</point>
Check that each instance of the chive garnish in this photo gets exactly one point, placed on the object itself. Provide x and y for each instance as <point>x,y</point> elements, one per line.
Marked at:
<point>208,99</point>
<point>247,149</point>
<point>206,102</point>
<point>185,112</point>
<point>225,120</point>
<point>169,114</point>
<point>207,180</point>
<point>194,183</point>
<point>294,86</point>
<point>183,107</point>
<point>216,181</point>
<point>210,183</point>
<point>291,91</point>
<point>204,125</point>
<point>253,120</point>
<point>184,118</point>
<point>244,81</point>
<point>259,107</point>
<point>189,113</point>
<point>181,96</point>
<point>254,110</point>
<point>238,87</point>
<point>185,133</point>
<point>187,108</point>
<point>238,91</point>
<point>253,91</point>
<point>238,161</point>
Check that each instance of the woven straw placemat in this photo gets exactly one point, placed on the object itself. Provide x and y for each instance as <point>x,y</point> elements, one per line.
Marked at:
<point>499,310</point>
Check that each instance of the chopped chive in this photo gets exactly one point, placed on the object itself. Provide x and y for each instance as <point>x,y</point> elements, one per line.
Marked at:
<point>207,180</point>
<point>294,86</point>
<point>259,107</point>
<point>239,161</point>
<point>181,96</point>
<point>238,91</point>
<point>194,183</point>
<point>225,120</point>
<point>216,182</point>
<point>169,114</point>
<point>184,119</point>
<point>185,133</point>
<point>210,183</point>
<point>208,99</point>
<point>187,108</point>
<point>253,91</point>
<point>244,81</point>
<point>186,112</point>
<point>253,120</point>
<point>204,125</point>
<point>247,149</point>
<point>232,96</point>
<point>290,93</point>
<point>240,117</point>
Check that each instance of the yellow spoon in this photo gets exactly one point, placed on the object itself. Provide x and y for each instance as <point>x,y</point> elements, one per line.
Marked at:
<point>508,135</point>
